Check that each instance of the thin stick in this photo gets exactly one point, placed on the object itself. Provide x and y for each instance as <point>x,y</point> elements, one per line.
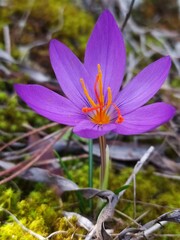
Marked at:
<point>107,168</point>
<point>21,164</point>
<point>154,228</point>
<point>137,167</point>
<point>36,235</point>
<point>55,233</point>
<point>102,145</point>
<point>28,165</point>
<point>35,143</point>
<point>148,204</point>
<point>7,39</point>
<point>175,177</point>
<point>127,15</point>
<point>28,134</point>
<point>126,216</point>
<point>134,195</point>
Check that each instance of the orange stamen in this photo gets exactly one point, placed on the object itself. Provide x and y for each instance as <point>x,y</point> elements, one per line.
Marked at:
<point>99,86</point>
<point>109,102</point>
<point>86,93</point>
<point>120,119</point>
<point>99,110</point>
<point>86,109</point>
<point>101,96</point>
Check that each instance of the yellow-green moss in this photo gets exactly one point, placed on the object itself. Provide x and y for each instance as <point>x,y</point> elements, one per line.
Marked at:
<point>12,118</point>
<point>154,194</point>
<point>45,17</point>
<point>39,211</point>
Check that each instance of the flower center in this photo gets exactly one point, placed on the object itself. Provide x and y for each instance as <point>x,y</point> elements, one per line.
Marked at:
<point>99,109</point>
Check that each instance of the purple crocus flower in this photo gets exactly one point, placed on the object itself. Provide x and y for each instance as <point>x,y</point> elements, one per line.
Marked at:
<point>93,105</point>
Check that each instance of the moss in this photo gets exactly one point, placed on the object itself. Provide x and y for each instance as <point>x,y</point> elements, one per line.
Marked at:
<point>39,211</point>
<point>154,194</point>
<point>9,198</point>
<point>12,120</point>
<point>45,17</point>
<point>68,229</point>
<point>167,11</point>
<point>13,231</point>
<point>175,82</point>
<point>3,97</point>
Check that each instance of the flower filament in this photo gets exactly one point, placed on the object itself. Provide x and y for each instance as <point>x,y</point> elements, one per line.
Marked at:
<point>99,108</point>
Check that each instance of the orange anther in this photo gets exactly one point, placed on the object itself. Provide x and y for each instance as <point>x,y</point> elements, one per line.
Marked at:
<point>86,109</point>
<point>109,101</point>
<point>120,119</point>
<point>98,110</point>
<point>98,87</point>
<point>87,94</point>
<point>101,96</point>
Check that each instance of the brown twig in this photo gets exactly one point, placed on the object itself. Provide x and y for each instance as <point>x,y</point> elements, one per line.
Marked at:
<point>137,168</point>
<point>30,163</point>
<point>127,15</point>
<point>21,164</point>
<point>68,158</point>
<point>36,143</point>
<point>28,134</point>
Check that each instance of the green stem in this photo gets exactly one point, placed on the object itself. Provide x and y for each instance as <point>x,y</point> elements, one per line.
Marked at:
<point>102,145</point>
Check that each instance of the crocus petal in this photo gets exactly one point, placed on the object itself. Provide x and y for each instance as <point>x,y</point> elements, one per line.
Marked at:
<point>49,104</point>
<point>106,47</point>
<point>144,85</point>
<point>145,119</point>
<point>88,129</point>
<point>68,70</point>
